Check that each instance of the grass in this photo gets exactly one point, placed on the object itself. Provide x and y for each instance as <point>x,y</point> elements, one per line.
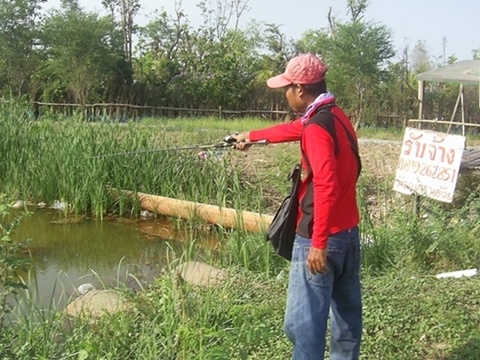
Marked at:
<point>206,124</point>
<point>381,134</point>
<point>420,317</point>
<point>408,312</point>
<point>56,160</point>
<point>406,316</point>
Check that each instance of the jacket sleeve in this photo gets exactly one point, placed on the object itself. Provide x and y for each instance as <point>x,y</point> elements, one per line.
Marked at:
<point>290,131</point>
<point>319,148</point>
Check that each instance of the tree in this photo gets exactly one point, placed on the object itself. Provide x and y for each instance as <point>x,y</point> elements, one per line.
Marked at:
<point>421,61</point>
<point>357,54</point>
<point>476,54</point>
<point>159,43</point>
<point>357,9</point>
<point>217,20</point>
<point>84,54</point>
<point>275,51</point>
<point>187,67</point>
<point>127,9</point>
<point>19,23</point>
<point>227,72</point>
<point>70,5</point>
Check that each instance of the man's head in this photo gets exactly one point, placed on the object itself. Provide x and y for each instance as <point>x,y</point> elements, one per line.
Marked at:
<point>303,79</point>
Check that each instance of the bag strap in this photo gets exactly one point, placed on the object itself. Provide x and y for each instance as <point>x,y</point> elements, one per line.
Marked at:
<point>353,143</point>
<point>295,177</point>
<point>330,128</point>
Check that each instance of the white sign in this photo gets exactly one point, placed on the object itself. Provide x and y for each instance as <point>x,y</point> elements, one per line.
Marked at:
<point>429,164</point>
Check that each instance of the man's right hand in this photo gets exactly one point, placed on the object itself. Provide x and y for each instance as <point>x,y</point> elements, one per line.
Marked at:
<point>241,139</point>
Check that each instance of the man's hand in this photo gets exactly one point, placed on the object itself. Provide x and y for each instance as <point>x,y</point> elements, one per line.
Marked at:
<point>241,138</point>
<point>317,261</point>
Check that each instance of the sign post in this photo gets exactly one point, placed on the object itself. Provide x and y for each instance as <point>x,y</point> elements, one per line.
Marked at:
<point>429,164</point>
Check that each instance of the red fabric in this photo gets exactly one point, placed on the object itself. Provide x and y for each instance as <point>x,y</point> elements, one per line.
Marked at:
<point>334,178</point>
<point>302,69</point>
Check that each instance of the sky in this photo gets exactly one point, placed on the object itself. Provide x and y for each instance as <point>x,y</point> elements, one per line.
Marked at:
<point>458,21</point>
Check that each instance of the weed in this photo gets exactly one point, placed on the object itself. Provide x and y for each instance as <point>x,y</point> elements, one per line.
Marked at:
<point>11,260</point>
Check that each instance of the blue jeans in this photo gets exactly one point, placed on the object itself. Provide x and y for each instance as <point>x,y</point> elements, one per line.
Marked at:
<point>311,298</point>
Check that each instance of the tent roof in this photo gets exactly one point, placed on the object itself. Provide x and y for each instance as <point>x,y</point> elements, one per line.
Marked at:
<point>462,72</point>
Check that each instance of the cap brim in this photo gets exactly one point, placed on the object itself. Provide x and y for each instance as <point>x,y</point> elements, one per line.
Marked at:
<point>278,81</point>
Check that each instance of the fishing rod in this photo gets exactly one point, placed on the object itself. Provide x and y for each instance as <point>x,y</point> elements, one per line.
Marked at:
<point>229,141</point>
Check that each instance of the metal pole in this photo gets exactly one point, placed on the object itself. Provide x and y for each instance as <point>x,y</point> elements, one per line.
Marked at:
<point>421,95</point>
<point>456,107</point>
<point>463,110</point>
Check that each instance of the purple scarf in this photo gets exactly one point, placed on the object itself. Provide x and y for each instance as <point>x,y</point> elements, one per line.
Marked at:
<point>322,99</point>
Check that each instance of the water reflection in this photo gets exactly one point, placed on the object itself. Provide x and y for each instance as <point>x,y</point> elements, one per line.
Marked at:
<point>205,235</point>
<point>68,254</point>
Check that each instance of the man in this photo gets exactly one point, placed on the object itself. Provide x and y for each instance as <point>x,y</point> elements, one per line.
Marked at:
<point>324,274</point>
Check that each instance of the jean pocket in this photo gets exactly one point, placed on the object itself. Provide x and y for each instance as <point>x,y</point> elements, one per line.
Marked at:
<point>317,279</point>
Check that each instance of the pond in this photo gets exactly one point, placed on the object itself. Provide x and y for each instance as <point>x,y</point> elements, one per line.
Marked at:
<point>68,252</point>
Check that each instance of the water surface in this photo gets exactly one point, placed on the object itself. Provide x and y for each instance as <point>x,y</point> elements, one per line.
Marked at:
<point>68,252</point>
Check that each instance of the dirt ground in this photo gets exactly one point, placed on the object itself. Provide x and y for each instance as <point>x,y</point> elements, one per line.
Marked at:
<point>271,165</point>
<point>379,157</point>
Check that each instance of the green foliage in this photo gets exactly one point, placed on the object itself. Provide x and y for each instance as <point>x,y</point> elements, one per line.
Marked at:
<point>55,160</point>
<point>357,8</point>
<point>440,238</point>
<point>356,53</point>
<point>19,31</point>
<point>11,260</point>
<point>84,56</point>
<point>406,316</point>
<point>69,55</point>
<point>420,317</point>
<point>197,76</point>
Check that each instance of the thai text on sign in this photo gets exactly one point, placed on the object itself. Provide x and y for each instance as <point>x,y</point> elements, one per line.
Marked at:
<point>429,164</point>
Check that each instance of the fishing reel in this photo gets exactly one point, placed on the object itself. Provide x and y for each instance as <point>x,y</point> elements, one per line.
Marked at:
<point>229,140</point>
<point>217,151</point>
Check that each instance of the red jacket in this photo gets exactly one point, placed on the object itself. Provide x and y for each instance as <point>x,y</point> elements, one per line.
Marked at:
<point>334,207</point>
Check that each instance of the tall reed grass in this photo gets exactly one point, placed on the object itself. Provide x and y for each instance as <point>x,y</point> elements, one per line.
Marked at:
<point>57,159</point>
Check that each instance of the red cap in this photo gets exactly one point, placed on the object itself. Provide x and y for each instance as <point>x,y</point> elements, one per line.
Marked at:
<point>304,69</point>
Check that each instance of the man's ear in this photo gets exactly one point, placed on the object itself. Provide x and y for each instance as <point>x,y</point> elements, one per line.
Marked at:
<point>300,91</point>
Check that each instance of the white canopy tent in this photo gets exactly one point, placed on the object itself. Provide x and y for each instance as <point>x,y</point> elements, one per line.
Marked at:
<point>465,72</point>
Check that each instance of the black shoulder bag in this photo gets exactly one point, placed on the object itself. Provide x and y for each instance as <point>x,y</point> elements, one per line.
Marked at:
<point>281,231</point>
